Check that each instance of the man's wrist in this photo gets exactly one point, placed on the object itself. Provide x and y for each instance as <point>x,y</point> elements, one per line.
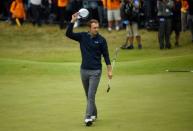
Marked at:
<point>72,21</point>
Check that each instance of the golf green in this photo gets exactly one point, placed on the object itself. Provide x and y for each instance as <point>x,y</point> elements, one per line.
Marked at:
<point>41,90</point>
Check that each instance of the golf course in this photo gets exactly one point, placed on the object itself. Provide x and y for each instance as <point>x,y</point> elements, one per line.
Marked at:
<point>41,89</point>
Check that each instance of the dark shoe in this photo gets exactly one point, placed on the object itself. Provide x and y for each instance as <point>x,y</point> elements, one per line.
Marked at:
<point>61,27</point>
<point>34,23</point>
<point>39,25</point>
<point>130,47</point>
<point>88,122</point>
<point>139,46</point>
<point>177,44</point>
<point>124,46</point>
<point>168,46</point>
<point>161,48</point>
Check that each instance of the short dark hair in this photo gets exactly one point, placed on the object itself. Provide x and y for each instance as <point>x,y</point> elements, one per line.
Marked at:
<point>92,21</point>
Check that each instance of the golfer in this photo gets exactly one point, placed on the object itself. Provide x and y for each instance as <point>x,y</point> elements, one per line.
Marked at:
<point>92,46</point>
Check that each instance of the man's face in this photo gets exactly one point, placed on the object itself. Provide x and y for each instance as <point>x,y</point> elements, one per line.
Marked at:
<point>94,28</point>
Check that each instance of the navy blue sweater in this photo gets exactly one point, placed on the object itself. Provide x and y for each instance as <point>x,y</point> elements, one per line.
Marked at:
<point>92,48</point>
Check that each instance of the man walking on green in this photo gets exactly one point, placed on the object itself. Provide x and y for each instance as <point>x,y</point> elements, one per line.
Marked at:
<point>92,46</point>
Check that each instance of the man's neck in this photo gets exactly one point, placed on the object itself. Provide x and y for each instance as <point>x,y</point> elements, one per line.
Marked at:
<point>92,35</point>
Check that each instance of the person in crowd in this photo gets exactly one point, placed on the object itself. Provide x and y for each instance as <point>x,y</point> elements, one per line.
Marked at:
<point>5,9</point>
<point>150,13</point>
<point>184,10</point>
<point>190,17</point>
<point>165,22</point>
<point>102,13</point>
<point>46,10</point>
<point>176,20</point>
<point>113,13</point>
<point>35,6</point>
<point>92,6</point>
<point>131,9</point>
<point>93,46</point>
<point>62,4</point>
<point>53,11</point>
<point>147,6</point>
<point>17,10</point>
<point>73,6</point>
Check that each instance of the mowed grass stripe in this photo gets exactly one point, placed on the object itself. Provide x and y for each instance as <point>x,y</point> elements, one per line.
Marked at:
<point>152,65</point>
<point>148,102</point>
<point>41,90</point>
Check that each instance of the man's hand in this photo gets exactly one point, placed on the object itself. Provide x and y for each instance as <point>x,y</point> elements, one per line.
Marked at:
<point>74,17</point>
<point>109,71</point>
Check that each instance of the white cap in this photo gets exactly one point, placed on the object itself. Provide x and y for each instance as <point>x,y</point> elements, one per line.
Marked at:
<point>83,13</point>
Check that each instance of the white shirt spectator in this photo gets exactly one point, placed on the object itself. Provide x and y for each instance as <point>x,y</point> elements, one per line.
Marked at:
<point>36,2</point>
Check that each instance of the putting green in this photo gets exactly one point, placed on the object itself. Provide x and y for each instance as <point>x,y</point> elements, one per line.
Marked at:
<point>40,86</point>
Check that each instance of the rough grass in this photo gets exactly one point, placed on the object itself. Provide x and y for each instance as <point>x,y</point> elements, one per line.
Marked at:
<point>40,87</point>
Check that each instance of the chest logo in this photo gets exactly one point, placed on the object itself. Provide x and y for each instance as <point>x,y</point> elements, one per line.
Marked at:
<point>96,42</point>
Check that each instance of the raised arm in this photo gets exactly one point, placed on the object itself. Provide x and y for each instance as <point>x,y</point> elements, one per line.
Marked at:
<point>69,31</point>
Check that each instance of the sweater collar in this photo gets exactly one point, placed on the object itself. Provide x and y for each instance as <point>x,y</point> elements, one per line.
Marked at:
<point>92,35</point>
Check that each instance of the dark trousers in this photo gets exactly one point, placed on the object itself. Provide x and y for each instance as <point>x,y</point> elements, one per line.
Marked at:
<point>13,21</point>
<point>61,12</point>
<point>102,13</point>
<point>90,81</point>
<point>190,24</point>
<point>165,26</point>
<point>36,14</point>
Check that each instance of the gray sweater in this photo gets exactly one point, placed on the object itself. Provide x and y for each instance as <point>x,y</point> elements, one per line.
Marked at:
<point>165,8</point>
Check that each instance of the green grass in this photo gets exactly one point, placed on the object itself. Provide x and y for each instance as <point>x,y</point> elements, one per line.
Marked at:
<point>40,86</point>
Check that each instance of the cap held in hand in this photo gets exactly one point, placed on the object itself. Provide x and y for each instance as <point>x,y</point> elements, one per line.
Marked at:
<point>83,13</point>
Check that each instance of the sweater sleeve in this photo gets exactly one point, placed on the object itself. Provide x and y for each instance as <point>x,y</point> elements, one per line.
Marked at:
<point>105,53</point>
<point>70,34</point>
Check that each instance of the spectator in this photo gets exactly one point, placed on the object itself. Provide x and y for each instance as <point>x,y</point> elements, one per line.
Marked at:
<point>176,20</point>
<point>96,9</point>
<point>92,6</point>
<point>113,13</point>
<point>184,9</point>
<point>5,9</point>
<point>190,17</point>
<point>17,10</point>
<point>102,13</point>
<point>62,12</point>
<point>165,22</point>
<point>35,6</point>
<point>150,13</point>
<point>53,11</point>
<point>46,10</point>
<point>131,9</point>
<point>73,6</point>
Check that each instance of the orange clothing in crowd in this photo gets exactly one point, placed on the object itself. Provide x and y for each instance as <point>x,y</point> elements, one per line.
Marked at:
<point>112,4</point>
<point>62,3</point>
<point>17,9</point>
<point>185,6</point>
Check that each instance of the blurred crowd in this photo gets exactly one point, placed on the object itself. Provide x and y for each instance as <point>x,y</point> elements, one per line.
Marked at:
<point>162,15</point>
<point>52,11</point>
